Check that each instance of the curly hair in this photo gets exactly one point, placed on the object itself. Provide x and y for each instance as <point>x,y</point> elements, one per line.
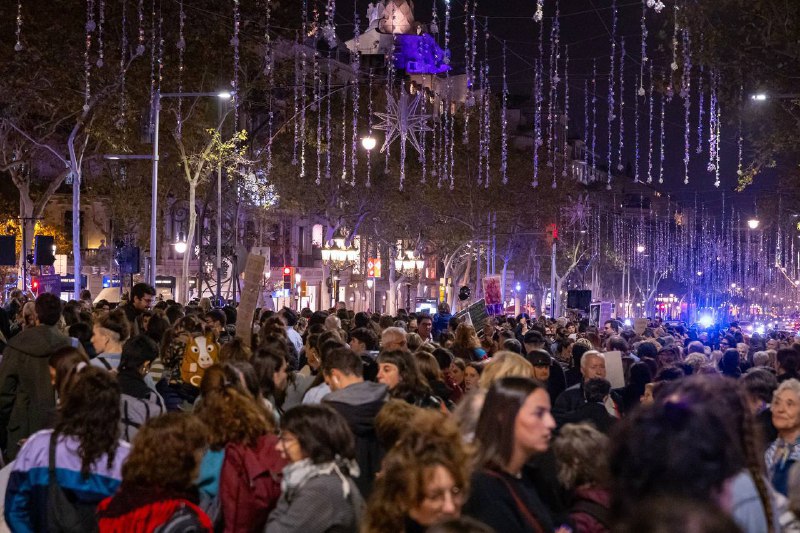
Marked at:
<point>90,412</point>
<point>229,412</point>
<point>430,440</point>
<point>165,453</point>
<point>582,454</point>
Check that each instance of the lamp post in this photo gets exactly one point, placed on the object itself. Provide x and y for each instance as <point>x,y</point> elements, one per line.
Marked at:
<point>338,256</point>
<point>409,264</point>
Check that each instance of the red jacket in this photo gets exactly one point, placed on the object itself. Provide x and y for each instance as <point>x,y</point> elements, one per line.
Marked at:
<point>250,484</point>
<point>143,510</point>
<point>588,522</point>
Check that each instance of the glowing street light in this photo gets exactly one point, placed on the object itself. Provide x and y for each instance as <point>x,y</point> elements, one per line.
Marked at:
<point>758,97</point>
<point>180,244</point>
<point>369,142</point>
<point>640,248</point>
<point>753,223</point>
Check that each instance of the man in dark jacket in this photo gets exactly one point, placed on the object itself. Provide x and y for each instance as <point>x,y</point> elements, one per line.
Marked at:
<point>142,296</point>
<point>594,410</point>
<point>358,401</point>
<point>534,343</point>
<point>26,395</point>
<point>593,365</point>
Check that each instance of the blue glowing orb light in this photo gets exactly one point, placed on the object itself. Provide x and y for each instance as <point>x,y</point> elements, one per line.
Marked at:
<point>419,54</point>
<point>706,321</point>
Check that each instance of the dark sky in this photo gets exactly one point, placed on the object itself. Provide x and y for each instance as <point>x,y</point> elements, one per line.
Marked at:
<point>586,28</point>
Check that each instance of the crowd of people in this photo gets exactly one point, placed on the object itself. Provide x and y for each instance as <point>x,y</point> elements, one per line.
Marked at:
<point>156,416</point>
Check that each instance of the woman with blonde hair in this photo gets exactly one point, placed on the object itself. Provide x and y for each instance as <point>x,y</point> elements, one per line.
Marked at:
<point>466,345</point>
<point>505,364</point>
<point>425,477</point>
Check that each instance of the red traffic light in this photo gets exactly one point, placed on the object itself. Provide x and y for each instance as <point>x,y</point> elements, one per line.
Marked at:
<point>287,271</point>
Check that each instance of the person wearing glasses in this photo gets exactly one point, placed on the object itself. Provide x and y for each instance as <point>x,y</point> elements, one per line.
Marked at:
<point>318,492</point>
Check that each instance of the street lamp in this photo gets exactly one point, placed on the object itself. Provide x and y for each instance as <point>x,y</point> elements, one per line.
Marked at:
<point>408,263</point>
<point>337,255</point>
<point>758,97</point>
<point>753,223</point>
<point>180,244</point>
<point>369,142</point>
<point>640,248</point>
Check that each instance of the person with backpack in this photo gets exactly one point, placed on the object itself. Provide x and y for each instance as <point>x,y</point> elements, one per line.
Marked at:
<point>61,474</point>
<point>110,333</point>
<point>138,401</point>
<point>243,442</point>
<point>158,490</point>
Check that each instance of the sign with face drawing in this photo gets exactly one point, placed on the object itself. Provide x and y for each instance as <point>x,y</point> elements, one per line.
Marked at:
<point>201,352</point>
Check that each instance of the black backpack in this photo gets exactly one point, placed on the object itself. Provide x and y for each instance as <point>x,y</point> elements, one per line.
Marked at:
<point>64,513</point>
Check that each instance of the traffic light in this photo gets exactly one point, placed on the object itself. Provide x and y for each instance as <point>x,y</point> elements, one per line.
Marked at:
<point>288,277</point>
<point>35,286</point>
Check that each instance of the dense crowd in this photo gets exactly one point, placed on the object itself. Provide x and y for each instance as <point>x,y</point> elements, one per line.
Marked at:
<point>155,416</point>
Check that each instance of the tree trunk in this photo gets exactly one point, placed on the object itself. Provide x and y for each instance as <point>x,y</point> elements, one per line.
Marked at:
<point>76,232</point>
<point>189,238</point>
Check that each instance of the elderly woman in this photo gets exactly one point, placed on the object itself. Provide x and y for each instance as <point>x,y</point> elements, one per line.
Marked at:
<point>784,451</point>
<point>582,455</point>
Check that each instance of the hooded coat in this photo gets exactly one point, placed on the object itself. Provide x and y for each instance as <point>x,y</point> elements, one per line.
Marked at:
<point>359,404</point>
<point>27,400</point>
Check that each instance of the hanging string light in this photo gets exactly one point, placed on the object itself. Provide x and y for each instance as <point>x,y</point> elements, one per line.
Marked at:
<point>661,145</point>
<point>712,126</point>
<point>611,99</point>
<point>487,105</point>
<point>718,123</point>
<point>356,67</point>
<point>594,116</point>
<point>539,14</point>
<point>686,94</point>
<point>344,135</point>
<point>301,82</point>
<point>153,29</point>
<point>328,118</point>
<point>739,135</point>
<point>566,116</point>
<point>101,22</point>
<point>87,67</point>
<point>636,137</point>
<point>235,81</point>
<point>700,101</point>
<point>620,164</point>
<point>160,57</point>
<point>140,46</point>
<point>552,112</point>
<point>181,46</point>
<point>538,98</point>
<point>369,125</point>
<point>317,95</point>
<point>650,127</point>
<point>296,95</point>
<point>123,56</point>
<point>641,90</point>
<point>504,124</point>
<point>18,47</point>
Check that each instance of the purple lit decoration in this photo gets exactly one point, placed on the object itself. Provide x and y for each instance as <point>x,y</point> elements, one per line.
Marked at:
<point>539,14</point>
<point>552,147</point>
<point>718,122</point>
<point>686,94</point>
<point>328,119</point>
<point>317,95</point>
<point>423,157</point>
<point>419,54</point>
<point>87,67</point>
<point>564,173</point>
<point>739,136</point>
<point>369,126</point>
<point>451,145</point>
<point>712,126</point>
<point>641,90</point>
<point>487,105</point>
<point>122,120</point>
<point>612,71</point>
<point>344,134</point>
<point>701,101</point>
<point>470,46</point>
<point>140,12</point>
<point>18,47</point>
<point>636,138</point>
<point>537,118</point>
<point>101,9</point>
<point>235,81</point>
<point>674,65</point>
<point>296,103</point>
<point>661,145</point>
<point>504,124</point>
<point>594,115</point>
<point>620,165</point>
<point>181,46</point>
<point>329,28</point>
<point>355,64</point>
<point>302,84</point>
<point>650,128</point>
<point>586,123</point>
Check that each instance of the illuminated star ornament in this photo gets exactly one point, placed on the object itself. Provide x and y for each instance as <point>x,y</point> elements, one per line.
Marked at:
<point>404,119</point>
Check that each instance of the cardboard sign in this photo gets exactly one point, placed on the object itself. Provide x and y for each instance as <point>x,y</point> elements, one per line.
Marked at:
<point>253,277</point>
<point>639,325</point>
<point>475,314</point>
<point>615,374</point>
<point>493,295</point>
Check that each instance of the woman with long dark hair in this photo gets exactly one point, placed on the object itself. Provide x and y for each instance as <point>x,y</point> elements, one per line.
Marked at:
<point>515,425</point>
<point>397,369</point>
<point>318,493</point>
<point>83,454</point>
<point>158,489</point>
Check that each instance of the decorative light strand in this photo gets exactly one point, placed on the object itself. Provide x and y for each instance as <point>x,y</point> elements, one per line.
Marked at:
<point>140,47</point>
<point>344,133</point>
<point>235,80</point>
<point>18,47</point>
<point>539,14</point>
<point>586,124</point>
<point>317,95</point>
<point>611,99</point>
<point>717,165</point>
<point>504,124</point>
<point>296,95</point>
<point>355,61</point>
<point>661,145</point>
<point>636,136</point>
<point>644,58</point>
<point>565,159</point>
<point>153,29</point>
<point>537,121</point>
<point>302,84</point>
<point>700,100</point>
<point>620,163</point>
<point>90,27</point>
<point>712,126</point>
<point>487,105</point>
<point>594,116</point>
<point>328,120</point>
<point>686,94</point>
<point>552,111</point>
<point>123,57</point>
<point>101,8</point>
<point>650,127</point>
<point>181,46</point>
<point>739,134</point>
<point>369,125</point>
